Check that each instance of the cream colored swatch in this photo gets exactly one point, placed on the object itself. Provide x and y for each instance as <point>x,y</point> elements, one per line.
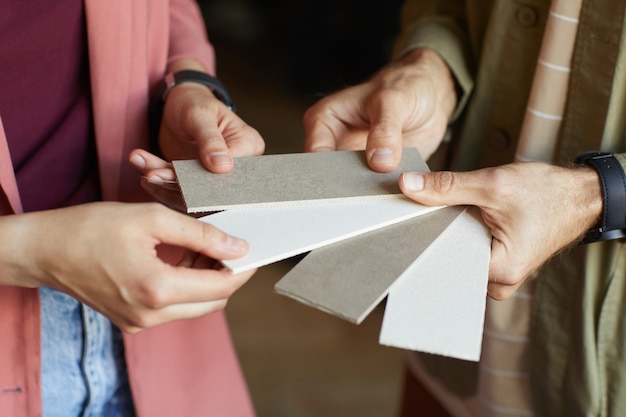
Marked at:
<point>438,304</point>
<point>274,234</point>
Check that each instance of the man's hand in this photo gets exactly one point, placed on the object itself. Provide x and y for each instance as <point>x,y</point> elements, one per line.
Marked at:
<point>407,104</point>
<point>105,255</point>
<point>534,210</point>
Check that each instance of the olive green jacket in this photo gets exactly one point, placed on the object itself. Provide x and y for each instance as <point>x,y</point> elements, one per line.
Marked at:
<point>578,328</point>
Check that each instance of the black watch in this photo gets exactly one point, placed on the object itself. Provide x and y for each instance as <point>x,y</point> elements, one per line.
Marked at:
<point>613,181</point>
<point>165,86</point>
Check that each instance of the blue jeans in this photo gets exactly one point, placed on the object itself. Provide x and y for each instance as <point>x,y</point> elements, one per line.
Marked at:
<point>83,370</point>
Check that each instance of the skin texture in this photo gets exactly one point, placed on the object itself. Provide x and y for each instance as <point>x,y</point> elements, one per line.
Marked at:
<point>533,210</point>
<point>528,225</point>
<point>107,254</point>
<point>197,125</point>
<point>408,103</point>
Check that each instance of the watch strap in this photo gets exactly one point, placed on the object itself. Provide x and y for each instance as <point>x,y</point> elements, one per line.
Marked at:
<point>613,181</point>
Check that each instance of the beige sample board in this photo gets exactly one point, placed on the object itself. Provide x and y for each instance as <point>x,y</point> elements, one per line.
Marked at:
<point>290,179</point>
<point>348,279</point>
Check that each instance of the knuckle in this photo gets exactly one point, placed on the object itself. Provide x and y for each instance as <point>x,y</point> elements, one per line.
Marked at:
<point>153,297</point>
<point>319,110</point>
<point>137,321</point>
<point>444,182</point>
<point>384,131</point>
<point>498,182</point>
<point>153,211</point>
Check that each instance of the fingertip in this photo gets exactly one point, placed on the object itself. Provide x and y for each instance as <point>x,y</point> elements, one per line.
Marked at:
<point>137,160</point>
<point>218,162</point>
<point>237,245</point>
<point>321,148</point>
<point>382,159</point>
<point>412,181</point>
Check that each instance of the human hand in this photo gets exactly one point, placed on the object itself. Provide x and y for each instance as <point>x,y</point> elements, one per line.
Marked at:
<point>105,255</point>
<point>158,179</point>
<point>534,210</point>
<point>196,124</point>
<point>407,104</point>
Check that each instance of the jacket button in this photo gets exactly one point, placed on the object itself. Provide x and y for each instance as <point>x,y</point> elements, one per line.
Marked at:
<point>500,139</point>
<point>526,16</point>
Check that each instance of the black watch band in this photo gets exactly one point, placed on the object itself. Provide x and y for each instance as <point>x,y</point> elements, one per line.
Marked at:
<point>170,81</point>
<point>613,181</point>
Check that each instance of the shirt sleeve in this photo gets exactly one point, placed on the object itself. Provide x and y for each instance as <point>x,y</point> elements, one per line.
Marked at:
<point>440,25</point>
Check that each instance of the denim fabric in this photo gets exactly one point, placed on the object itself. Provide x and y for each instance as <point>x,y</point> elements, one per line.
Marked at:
<point>82,356</point>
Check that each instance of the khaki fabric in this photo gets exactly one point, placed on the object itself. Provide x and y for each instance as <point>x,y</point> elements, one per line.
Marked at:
<point>577,344</point>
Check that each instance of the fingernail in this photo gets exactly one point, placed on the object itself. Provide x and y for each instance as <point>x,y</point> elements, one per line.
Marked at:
<point>138,161</point>
<point>413,181</point>
<point>220,158</point>
<point>236,244</point>
<point>159,180</point>
<point>322,149</point>
<point>382,156</point>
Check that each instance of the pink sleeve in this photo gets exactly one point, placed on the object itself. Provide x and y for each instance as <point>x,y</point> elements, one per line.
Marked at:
<point>188,37</point>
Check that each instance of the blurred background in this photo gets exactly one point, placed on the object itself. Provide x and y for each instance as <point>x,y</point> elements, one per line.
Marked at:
<point>276,58</point>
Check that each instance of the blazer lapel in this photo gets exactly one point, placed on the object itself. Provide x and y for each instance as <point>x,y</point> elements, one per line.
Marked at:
<point>10,202</point>
<point>109,39</point>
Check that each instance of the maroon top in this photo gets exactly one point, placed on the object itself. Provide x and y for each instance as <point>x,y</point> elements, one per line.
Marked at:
<point>45,103</point>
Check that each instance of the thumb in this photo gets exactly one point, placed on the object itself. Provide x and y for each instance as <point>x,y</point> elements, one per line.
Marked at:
<point>384,141</point>
<point>444,188</point>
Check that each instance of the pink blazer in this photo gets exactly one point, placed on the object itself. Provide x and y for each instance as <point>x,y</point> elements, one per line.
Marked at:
<point>185,368</point>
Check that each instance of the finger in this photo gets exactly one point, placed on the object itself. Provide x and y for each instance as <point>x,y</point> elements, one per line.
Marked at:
<point>169,198</point>
<point>163,177</point>
<point>501,291</point>
<point>147,318</point>
<point>202,128</point>
<point>384,141</point>
<point>320,128</point>
<point>145,161</point>
<point>214,153</point>
<point>188,259</point>
<point>180,285</point>
<point>203,262</point>
<point>242,139</point>
<point>189,233</point>
<point>448,188</point>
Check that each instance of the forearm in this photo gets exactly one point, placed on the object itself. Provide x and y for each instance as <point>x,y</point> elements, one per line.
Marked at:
<point>188,38</point>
